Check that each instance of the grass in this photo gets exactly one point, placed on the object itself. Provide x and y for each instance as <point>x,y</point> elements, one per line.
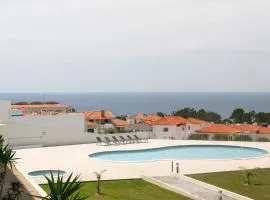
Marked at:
<point>235,182</point>
<point>126,190</point>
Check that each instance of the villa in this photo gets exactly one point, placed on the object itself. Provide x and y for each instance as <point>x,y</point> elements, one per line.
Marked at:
<point>40,109</point>
<point>177,127</point>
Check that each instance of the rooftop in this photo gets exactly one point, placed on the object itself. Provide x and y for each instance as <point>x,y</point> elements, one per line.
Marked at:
<point>98,114</point>
<point>219,128</point>
<point>39,106</point>
<point>119,122</point>
<point>171,120</point>
<point>196,121</point>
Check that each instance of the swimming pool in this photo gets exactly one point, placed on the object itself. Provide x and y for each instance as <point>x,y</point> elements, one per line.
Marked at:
<point>182,152</point>
<point>42,173</point>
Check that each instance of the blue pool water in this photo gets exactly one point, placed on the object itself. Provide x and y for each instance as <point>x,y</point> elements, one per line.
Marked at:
<point>182,152</point>
<point>46,173</point>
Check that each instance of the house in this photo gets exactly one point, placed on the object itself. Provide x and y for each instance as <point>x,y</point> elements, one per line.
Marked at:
<point>169,126</point>
<point>120,125</point>
<point>195,124</point>
<point>97,119</point>
<point>140,118</point>
<point>40,109</point>
<point>246,128</point>
<point>219,129</point>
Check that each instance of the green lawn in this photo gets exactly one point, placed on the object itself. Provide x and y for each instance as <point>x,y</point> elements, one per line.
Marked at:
<point>234,181</point>
<point>127,190</point>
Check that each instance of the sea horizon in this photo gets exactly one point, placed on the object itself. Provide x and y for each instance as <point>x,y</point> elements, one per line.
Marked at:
<point>121,103</point>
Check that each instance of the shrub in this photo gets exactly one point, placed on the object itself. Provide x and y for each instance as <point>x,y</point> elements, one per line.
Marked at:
<point>221,137</point>
<point>198,137</point>
<point>242,138</point>
<point>110,131</point>
<point>263,140</point>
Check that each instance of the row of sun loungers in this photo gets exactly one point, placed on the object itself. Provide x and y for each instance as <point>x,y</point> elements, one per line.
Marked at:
<point>121,140</point>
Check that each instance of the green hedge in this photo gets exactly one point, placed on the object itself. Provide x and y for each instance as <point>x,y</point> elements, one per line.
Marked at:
<point>263,140</point>
<point>242,138</point>
<point>221,137</point>
<point>198,137</point>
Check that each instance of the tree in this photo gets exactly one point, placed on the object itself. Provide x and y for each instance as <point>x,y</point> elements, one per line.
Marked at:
<point>99,176</point>
<point>186,112</point>
<point>248,173</point>
<point>200,114</point>
<point>160,114</point>
<point>7,158</point>
<point>61,189</point>
<point>238,115</point>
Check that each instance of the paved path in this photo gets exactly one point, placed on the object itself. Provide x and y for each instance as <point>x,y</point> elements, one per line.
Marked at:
<point>192,188</point>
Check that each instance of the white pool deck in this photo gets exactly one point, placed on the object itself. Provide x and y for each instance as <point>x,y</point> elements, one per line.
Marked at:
<point>75,159</point>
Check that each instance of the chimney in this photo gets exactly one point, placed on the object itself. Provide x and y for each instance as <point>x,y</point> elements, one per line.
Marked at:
<point>103,114</point>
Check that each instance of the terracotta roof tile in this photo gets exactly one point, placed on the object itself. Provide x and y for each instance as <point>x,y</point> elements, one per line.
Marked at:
<point>119,122</point>
<point>246,127</point>
<point>42,106</point>
<point>196,121</point>
<point>171,120</point>
<point>98,114</point>
<point>263,130</point>
<point>219,129</point>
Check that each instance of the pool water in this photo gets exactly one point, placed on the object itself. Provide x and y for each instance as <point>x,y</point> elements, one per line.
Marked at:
<point>47,173</point>
<point>182,152</point>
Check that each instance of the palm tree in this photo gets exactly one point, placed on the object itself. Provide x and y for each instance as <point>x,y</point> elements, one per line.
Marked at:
<point>248,173</point>
<point>99,176</point>
<point>64,190</point>
<point>7,158</point>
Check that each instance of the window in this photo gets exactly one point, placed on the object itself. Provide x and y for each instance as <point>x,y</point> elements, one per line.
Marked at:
<point>90,130</point>
<point>188,127</point>
<point>165,129</point>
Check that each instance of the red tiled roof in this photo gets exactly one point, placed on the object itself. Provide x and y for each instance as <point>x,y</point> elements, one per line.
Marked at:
<point>263,130</point>
<point>98,114</point>
<point>152,118</point>
<point>41,106</point>
<point>139,116</point>
<point>171,120</point>
<point>119,122</point>
<point>196,121</point>
<point>246,127</point>
<point>219,129</point>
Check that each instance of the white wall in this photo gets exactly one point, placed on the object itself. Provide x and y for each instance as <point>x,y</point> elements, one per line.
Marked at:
<point>4,110</point>
<point>51,131</point>
<point>173,131</point>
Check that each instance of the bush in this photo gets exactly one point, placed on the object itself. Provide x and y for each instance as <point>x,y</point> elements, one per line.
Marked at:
<point>198,137</point>
<point>263,140</point>
<point>242,138</point>
<point>110,131</point>
<point>220,137</point>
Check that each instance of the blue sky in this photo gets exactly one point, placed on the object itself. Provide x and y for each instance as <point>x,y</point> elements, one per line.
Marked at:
<point>134,46</point>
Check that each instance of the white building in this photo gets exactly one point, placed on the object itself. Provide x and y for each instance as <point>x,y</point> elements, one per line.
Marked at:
<point>176,127</point>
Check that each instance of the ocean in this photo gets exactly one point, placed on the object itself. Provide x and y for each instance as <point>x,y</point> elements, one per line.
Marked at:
<point>123,103</point>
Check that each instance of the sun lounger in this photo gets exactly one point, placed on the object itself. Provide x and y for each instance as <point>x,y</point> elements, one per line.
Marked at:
<point>115,140</point>
<point>108,141</point>
<point>124,140</point>
<point>140,139</point>
<point>99,141</point>
<point>131,139</point>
